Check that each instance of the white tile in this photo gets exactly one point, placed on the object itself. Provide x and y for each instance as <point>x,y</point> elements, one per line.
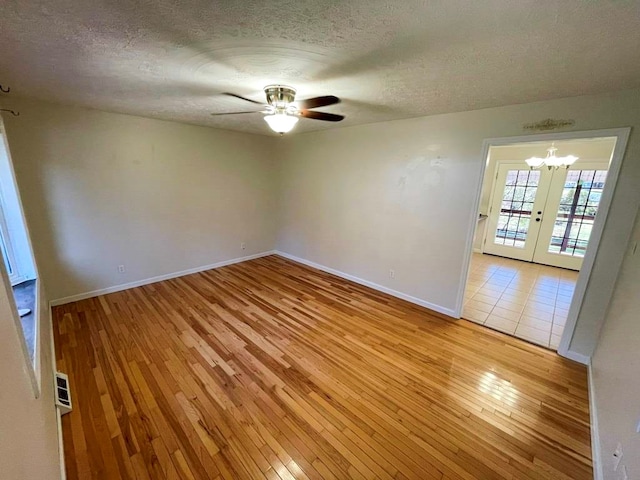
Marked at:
<point>474,315</point>
<point>501,324</point>
<point>555,341</point>
<point>545,316</point>
<point>566,290</point>
<point>548,277</point>
<point>541,307</point>
<point>544,289</point>
<point>533,335</point>
<point>504,313</point>
<point>543,298</point>
<point>491,300</point>
<point>477,305</point>
<point>501,278</point>
<point>536,323</point>
<point>509,305</point>
<point>518,289</point>
<point>561,298</point>
<point>477,279</point>
<point>491,290</point>
<point>559,320</point>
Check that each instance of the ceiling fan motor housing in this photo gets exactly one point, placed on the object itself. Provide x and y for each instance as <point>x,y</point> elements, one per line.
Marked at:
<point>280,95</point>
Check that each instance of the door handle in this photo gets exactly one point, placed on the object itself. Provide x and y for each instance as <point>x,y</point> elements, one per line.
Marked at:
<point>539,212</point>
<point>537,219</point>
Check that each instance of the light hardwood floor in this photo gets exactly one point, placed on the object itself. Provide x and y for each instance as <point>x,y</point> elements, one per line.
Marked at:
<point>269,369</point>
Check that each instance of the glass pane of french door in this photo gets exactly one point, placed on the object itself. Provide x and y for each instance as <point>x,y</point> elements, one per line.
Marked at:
<point>577,211</point>
<point>518,196</point>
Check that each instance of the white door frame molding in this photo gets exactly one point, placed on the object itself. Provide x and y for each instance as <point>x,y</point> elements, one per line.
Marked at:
<point>622,135</point>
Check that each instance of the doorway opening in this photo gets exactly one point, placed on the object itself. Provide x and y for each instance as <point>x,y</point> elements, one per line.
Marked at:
<point>17,257</point>
<point>534,229</point>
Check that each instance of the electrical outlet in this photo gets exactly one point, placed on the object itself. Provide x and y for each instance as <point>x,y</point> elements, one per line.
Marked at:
<point>392,274</point>
<point>121,269</point>
<point>243,246</point>
<point>617,457</point>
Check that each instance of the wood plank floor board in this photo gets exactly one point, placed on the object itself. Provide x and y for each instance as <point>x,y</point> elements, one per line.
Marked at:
<point>273,370</point>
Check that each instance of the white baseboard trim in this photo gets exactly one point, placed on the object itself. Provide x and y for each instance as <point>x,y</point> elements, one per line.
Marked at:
<point>431,306</point>
<point>147,281</point>
<point>477,250</point>
<point>54,369</point>
<point>596,454</point>
<point>63,468</point>
<point>575,356</point>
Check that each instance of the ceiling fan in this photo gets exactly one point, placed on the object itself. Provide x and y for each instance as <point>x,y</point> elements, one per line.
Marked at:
<point>282,111</point>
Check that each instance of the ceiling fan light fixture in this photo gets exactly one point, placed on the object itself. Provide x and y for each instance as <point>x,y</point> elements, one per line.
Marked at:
<point>281,122</point>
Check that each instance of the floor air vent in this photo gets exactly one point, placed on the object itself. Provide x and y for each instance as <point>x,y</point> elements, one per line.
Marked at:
<point>63,394</point>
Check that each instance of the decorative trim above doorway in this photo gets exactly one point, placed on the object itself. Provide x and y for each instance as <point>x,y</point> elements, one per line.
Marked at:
<point>548,124</point>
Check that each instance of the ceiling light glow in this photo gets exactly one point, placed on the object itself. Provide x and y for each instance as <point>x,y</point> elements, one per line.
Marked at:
<point>281,122</point>
<point>551,160</point>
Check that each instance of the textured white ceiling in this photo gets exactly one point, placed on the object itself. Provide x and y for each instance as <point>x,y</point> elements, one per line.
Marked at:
<point>385,59</point>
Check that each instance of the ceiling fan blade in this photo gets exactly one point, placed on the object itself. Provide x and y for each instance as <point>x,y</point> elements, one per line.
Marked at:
<point>318,102</point>
<point>327,117</point>
<point>236,113</point>
<point>242,98</point>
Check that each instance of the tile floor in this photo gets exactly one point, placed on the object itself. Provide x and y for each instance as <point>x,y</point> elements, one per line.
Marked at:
<point>526,300</point>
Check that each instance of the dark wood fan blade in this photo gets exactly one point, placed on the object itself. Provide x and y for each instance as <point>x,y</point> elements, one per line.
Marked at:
<point>327,117</point>
<point>318,102</point>
<point>236,113</point>
<point>242,98</point>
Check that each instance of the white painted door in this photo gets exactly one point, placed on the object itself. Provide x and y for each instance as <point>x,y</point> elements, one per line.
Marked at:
<point>517,202</point>
<point>545,216</point>
<point>571,208</point>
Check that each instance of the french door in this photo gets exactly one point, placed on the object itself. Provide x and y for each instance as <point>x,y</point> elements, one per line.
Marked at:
<point>544,216</point>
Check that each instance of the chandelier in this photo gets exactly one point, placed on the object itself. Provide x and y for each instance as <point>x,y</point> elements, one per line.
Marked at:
<point>551,160</point>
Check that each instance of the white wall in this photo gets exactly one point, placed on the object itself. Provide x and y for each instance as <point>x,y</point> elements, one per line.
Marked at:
<point>367,199</point>
<point>102,189</point>
<point>28,425</point>
<point>616,369</point>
